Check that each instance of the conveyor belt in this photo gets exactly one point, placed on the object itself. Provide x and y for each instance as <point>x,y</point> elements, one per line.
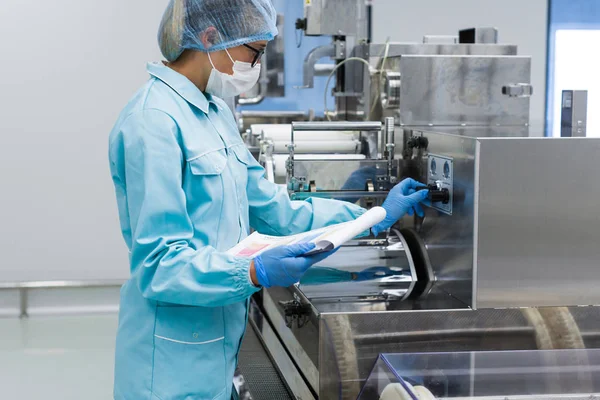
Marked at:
<point>258,370</point>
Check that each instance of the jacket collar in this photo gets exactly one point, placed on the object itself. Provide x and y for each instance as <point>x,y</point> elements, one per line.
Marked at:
<point>182,85</point>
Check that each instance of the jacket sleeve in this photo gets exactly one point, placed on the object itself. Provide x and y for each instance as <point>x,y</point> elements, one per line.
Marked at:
<point>273,213</point>
<point>165,264</point>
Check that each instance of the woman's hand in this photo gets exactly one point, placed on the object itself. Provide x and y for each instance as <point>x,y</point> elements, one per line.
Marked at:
<point>404,198</point>
<point>285,265</point>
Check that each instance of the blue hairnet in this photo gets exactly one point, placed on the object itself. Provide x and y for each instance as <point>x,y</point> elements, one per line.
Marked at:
<point>236,22</point>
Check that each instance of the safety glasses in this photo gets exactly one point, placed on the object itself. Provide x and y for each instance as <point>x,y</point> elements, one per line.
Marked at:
<point>257,54</point>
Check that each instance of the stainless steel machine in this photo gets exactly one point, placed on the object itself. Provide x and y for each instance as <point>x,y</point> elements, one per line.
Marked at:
<point>507,255</point>
<point>510,262</point>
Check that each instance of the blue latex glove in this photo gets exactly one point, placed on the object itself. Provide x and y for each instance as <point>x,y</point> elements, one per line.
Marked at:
<point>402,199</point>
<point>285,265</point>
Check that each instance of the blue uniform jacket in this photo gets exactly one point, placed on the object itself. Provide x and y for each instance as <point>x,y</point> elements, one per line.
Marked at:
<point>188,190</point>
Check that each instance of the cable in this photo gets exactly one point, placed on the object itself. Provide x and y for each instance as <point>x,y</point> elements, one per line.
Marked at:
<point>331,75</point>
<point>385,52</point>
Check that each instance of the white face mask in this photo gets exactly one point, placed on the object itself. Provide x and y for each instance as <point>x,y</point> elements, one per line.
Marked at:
<point>225,86</point>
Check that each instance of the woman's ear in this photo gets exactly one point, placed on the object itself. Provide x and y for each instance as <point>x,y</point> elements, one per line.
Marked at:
<point>209,37</point>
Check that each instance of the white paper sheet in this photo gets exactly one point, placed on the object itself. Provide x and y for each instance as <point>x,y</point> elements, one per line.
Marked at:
<point>325,239</point>
<point>339,234</point>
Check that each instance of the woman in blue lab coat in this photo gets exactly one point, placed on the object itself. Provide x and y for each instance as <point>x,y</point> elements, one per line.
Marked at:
<point>188,190</point>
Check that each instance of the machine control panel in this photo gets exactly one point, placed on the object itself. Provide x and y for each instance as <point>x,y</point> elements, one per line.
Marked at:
<point>440,172</point>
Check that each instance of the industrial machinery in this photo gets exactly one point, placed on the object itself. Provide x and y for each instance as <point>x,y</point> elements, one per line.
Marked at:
<point>506,258</point>
<point>508,262</point>
<point>573,115</point>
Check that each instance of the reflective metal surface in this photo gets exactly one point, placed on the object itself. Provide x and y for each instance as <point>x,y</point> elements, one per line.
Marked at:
<point>501,200</point>
<point>335,17</point>
<point>338,126</point>
<point>23,289</point>
<point>371,297</point>
<point>443,84</point>
<point>60,284</point>
<point>449,238</point>
<point>516,224</point>
<point>401,49</point>
<point>301,344</point>
<point>484,131</point>
<point>340,340</point>
<point>285,366</point>
<point>537,222</point>
<point>454,90</point>
<point>360,272</point>
<point>340,174</point>
<point>310,63</point>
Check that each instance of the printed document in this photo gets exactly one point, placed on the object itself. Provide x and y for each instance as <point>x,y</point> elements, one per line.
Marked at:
<point>325,239</point>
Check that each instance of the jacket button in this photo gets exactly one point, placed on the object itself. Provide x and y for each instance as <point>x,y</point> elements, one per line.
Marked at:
<point>195,335</point>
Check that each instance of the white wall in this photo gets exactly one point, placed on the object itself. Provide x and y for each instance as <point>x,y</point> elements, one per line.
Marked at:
<point>576,68</point>
<point>67,67</point>
<point>520,22</point>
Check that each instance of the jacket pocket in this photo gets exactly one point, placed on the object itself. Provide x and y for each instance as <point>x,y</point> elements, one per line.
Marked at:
<point>189,356</point>
<point>242,153</point>
<point>210,163</point>
<point>205,187</point>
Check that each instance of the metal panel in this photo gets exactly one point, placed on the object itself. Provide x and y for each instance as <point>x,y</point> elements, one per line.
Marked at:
<point>337,126</point>
<point>333,17</point>
<point>451,90</point>
<point>301,342</point>
<point>440,172</point>
<point>259,370</point>
<point>449,239</point>
<point>535,226</point>
<point>339,174</point>
<point>405,49</point>
<point>484,131</point>
<point>538,222</point>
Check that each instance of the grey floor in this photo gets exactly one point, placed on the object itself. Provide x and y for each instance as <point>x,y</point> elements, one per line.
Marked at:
<point>57,357</point>
<point>71,358</point>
